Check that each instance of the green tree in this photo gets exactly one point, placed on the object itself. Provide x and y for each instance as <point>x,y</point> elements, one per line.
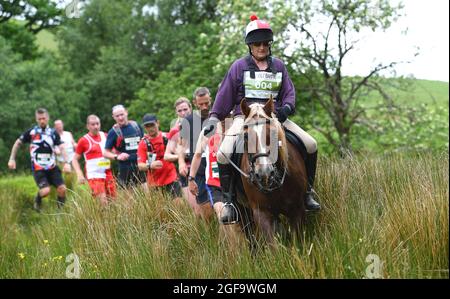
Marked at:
<point>27,85</point>
<point>320,57</point>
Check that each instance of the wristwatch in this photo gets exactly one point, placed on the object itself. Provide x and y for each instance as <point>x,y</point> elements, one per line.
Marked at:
<point>191,178</point>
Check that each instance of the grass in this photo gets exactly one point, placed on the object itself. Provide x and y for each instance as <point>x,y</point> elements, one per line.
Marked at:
<point>392,206</point>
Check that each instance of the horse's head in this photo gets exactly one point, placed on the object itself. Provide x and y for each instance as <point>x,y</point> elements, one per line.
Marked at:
<point>265,145</point>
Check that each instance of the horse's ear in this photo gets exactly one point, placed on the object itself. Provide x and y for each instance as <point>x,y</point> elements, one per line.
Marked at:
<point>268,107</point>
<point>244,107</point>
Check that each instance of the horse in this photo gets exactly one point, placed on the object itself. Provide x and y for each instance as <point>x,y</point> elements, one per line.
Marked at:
<point>272,173</point>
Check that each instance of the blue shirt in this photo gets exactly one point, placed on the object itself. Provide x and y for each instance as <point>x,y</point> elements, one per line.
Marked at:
<point>127,141</point>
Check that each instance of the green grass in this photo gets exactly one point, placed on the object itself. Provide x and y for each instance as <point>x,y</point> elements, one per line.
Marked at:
<point>394,206</point>
<point>414,92</point>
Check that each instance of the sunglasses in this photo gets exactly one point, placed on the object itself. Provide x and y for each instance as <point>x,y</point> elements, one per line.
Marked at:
<point>265,44</point>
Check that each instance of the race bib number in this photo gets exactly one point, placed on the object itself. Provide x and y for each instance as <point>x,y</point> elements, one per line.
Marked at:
<point>132,143</point>
<point>263,85</point>
<point>215,170</point>
<point>44,159</point>
<point>104,164</point>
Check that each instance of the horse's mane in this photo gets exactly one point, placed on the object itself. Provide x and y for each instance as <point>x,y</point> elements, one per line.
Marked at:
<point>283,153</point>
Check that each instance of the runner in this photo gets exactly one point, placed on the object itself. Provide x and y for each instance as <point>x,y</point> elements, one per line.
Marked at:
<point>98,169</point>
<point>43,141</point>
<point>160,173</point>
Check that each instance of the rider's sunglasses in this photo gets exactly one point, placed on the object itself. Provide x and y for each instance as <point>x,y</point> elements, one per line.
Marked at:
<point>265,44</point>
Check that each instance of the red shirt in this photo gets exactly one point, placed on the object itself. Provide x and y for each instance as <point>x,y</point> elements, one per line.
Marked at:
<point>157,177</point>
<point>91,149</point>
<point>212,168</point>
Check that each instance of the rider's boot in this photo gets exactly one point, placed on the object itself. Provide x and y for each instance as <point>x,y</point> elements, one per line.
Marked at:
<point>310,203</point>
<point>229,213</point>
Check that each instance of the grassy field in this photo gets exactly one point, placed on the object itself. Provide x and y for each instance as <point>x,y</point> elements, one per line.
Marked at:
<point>383,216</point>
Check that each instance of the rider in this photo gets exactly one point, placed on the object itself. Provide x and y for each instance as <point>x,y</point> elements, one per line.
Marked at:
<point>257,77</point>
<point>43,140</point>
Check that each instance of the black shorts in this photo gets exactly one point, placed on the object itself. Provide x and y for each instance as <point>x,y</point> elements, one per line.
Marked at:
<point>214,194</point>
<point>131,176</point>
<point>173,188</point>
<point>45,178</point>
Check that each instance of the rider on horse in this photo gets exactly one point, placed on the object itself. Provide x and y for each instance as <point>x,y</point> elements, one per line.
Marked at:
<point>256,77</point>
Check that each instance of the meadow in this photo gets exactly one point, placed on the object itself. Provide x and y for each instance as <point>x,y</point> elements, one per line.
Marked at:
<point>383,216</point>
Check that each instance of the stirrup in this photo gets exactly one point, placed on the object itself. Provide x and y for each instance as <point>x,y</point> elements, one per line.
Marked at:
<point>309,197</point>
<point>234,215</point>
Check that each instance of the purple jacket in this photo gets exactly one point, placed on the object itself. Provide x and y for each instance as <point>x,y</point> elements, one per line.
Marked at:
<point>231,90</point>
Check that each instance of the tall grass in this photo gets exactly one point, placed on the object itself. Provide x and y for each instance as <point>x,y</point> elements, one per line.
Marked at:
<point>393,206</point>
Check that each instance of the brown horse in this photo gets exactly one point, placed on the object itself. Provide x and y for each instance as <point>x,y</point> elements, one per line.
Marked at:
<point>273,174</point>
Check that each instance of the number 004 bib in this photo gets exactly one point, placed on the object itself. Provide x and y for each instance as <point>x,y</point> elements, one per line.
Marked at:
<point>263,85</point>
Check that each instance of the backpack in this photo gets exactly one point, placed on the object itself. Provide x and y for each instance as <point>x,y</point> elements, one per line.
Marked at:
<point>119,134</point>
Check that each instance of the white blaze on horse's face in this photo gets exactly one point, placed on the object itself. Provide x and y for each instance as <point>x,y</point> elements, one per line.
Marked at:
<point>266,150</point>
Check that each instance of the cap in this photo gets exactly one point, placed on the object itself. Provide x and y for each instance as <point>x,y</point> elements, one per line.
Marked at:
<point>149,118</point>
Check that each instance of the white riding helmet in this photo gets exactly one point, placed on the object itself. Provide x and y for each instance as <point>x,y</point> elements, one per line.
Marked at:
<point>258,31</point>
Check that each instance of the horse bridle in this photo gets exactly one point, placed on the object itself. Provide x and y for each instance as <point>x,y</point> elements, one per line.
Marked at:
<point>276,180</point>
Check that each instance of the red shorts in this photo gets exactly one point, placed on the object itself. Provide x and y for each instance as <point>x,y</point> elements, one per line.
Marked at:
<point>99,186</point>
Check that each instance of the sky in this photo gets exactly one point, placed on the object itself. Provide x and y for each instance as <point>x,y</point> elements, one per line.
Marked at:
<point>428,29</point>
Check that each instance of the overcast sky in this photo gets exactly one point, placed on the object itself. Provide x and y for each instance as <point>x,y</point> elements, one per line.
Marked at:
<point>428,29</point>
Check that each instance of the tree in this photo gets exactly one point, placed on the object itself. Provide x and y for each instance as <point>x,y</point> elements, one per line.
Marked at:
<point>38,14</point>
<point>320,57</point>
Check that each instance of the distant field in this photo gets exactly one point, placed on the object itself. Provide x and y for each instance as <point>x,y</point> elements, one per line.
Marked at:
<point>414,92</point>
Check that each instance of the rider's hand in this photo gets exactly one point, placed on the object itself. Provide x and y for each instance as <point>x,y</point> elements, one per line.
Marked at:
<point>156,164</point>
<point>12,164</point>
<point>283,113</point>
<point>193,188</point>
<point>210,126</point>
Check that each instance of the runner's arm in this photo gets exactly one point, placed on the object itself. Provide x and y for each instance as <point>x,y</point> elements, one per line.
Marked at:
<point>170,153</point>
<point>12,157</point>
<point>76,166</point>
<point>109,154</point>
<point>196,160</point>
<point>14,150</point>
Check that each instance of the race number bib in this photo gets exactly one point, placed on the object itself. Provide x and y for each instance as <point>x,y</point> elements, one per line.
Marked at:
<point>131,143</point>
<point>104,164</point>
<point>215,170</point>
<point>263,85</point>
<point>44,159</point>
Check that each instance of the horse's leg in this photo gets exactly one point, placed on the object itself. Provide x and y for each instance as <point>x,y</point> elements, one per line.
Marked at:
<point>248,226</point>
<point>265,222</point>
<point>296,221</point>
